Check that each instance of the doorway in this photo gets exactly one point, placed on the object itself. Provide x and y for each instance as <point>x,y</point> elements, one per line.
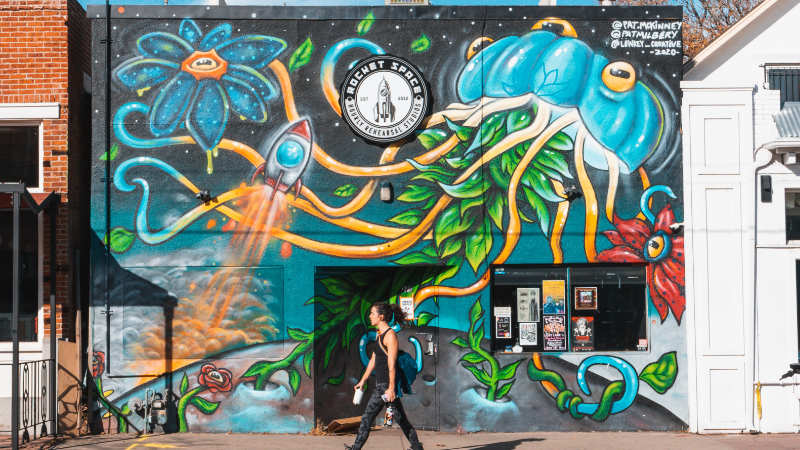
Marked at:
<point>344,340</point>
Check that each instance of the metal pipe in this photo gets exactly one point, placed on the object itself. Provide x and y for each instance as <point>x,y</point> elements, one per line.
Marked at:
<point>15,326</point>
<point>53,337</point>
<point>107,181</point>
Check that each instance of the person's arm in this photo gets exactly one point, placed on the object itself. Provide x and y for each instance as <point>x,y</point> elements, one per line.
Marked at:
<point>391,348</point>
<point>367,372</point>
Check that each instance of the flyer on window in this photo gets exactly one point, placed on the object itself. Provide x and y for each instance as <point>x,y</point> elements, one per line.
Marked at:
<point>528,304</point>
<point>407,304</point>
<point>502,321</point>
<point>528,333</point>
<point>586,298</point>
<point>554,331</point>
<point>582,334</point>
<point>554,295</point>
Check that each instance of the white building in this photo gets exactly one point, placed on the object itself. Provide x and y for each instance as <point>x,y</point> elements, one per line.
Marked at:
<point>742,284</point>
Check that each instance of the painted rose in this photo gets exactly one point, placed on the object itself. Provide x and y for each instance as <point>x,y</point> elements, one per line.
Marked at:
<point>98,364</point>
<point>635,240</point>
<point>216,380</point>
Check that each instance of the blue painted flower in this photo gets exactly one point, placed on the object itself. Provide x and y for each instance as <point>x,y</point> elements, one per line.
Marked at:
<point>203,77</point>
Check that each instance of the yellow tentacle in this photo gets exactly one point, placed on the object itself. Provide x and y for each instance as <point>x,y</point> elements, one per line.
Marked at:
<point>589,197</point>
<point>558,225</point>
<point>645,186</point>
<point>613,182</point>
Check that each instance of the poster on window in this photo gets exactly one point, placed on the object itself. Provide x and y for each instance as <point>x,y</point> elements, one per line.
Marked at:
<point>582,334</point>
<point>407,304</point>
<point>528,333</point>
<point>554,331</point>
<point>528,304</point>
<point>586,298</point>
<point>554,295</point>
<point>502,322</point>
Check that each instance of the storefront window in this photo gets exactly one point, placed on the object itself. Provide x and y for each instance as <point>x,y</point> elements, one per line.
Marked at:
<point>578,308</point>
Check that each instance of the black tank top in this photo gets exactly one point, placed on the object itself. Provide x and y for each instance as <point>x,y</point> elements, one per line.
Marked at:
<point>381,361</point>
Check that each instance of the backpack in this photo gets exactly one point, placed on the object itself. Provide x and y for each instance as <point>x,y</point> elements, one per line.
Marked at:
<point>405,368</point>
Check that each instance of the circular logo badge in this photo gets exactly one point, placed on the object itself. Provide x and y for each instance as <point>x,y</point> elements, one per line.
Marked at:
<point>384,98</point>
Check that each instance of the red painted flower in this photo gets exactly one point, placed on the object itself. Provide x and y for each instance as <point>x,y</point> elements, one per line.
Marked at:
<point>217,380</point>
<point>98,364</point>
<point>636,241</point>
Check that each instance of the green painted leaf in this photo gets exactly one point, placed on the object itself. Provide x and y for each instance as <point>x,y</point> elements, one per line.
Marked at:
<point>111,154</point>
<point>335,286</point>
<point>121,240</point>
<point>345,190</point>
<point>431,137</point>
<point>560,141</point>
<point>453,266</point>
<point>366,24</point>
<point>434,176</point>
<point>468,203</point>
<point>257,368</point>
<point>479,374</point>
<point>409,218</point>
<point>508,372</point>
<point>473,358</point>
<point>364,313</point>
<point>473,186</point>
<point>460,341</point>
<point>450,246</point>
<point>542,213</point>
<point>495,208</point>
<point>337,380</point>
<point>463,133</point>
<point>329,347</point>
<point>661,374</point>
<point>308,358</point>
<point>297,334</point>
<point>518,120</point>
<point>415,193</point>
<point>294,380</point>
<point>553,160</point>
<point>424,318</point>
<point>475,312</point>
<point>184,384</point>
<point>348,332</point>
<point>416,258</point>
<point>541,185</point>
<point>301,56</point>
<point>477,337</point>
<point>421,44</point>
<point>504,389</point>
<point>478,245</point>
<point>450,223</point>
<point>429,204</point>
<point>206,407</point>
<point>546,171</point>
<point>488,129</point>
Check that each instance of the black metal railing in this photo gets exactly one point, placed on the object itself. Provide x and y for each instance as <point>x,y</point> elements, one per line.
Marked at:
<point>36,416</point>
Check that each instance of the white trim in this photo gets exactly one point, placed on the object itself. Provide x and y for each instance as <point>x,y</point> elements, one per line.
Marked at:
<point>700,86</point>
<point>34,350</point>
<point>15,111</point>
<point>729,34</point>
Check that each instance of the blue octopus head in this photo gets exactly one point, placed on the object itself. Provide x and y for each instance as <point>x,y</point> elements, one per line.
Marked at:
<point>620,112</point>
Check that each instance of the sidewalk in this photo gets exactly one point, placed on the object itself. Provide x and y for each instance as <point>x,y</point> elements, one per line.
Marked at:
<point>390,440</point>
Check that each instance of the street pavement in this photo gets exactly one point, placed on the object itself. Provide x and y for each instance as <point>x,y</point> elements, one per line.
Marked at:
<point>391,440</point>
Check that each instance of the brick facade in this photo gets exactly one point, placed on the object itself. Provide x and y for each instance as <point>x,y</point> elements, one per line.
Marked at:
<point>44,54</point>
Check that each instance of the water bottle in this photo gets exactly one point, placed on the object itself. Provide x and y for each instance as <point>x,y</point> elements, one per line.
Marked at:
<point>357,396</point>
<point>389,421</point>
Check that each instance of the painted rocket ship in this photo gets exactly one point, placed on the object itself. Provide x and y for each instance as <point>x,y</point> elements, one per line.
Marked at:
<point>384,109</point>
<point>286,157</point>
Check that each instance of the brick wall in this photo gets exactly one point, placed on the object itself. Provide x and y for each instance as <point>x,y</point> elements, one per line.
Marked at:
<point>44,51</point>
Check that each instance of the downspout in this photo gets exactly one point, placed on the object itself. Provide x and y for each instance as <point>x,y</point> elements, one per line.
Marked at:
<point>107,180</point>
<point>53,266</point>
<point>756,377</point>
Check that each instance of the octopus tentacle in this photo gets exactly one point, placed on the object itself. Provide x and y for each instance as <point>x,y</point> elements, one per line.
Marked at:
<point>645,186</point>
<point>590,199</point>
<point>613,183</point>
<point>558,225</point>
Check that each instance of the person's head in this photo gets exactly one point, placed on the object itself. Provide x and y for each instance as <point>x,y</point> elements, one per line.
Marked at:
<point>385,312</point>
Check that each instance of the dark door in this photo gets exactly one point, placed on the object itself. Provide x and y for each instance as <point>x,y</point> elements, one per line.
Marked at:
<point>344,339</point>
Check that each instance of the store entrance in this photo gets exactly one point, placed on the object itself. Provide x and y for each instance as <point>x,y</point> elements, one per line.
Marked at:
<point>344,340</point>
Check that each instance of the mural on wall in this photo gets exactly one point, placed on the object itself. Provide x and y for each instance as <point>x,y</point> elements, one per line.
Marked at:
<point>232,176</point>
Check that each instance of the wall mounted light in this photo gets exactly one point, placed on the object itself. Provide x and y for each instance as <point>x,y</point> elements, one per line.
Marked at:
<point>204,196</point>
<point>572,192</point>
<point>387,192</point>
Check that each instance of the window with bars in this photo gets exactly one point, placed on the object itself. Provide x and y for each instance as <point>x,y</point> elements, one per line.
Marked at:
<point>786,80</point>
